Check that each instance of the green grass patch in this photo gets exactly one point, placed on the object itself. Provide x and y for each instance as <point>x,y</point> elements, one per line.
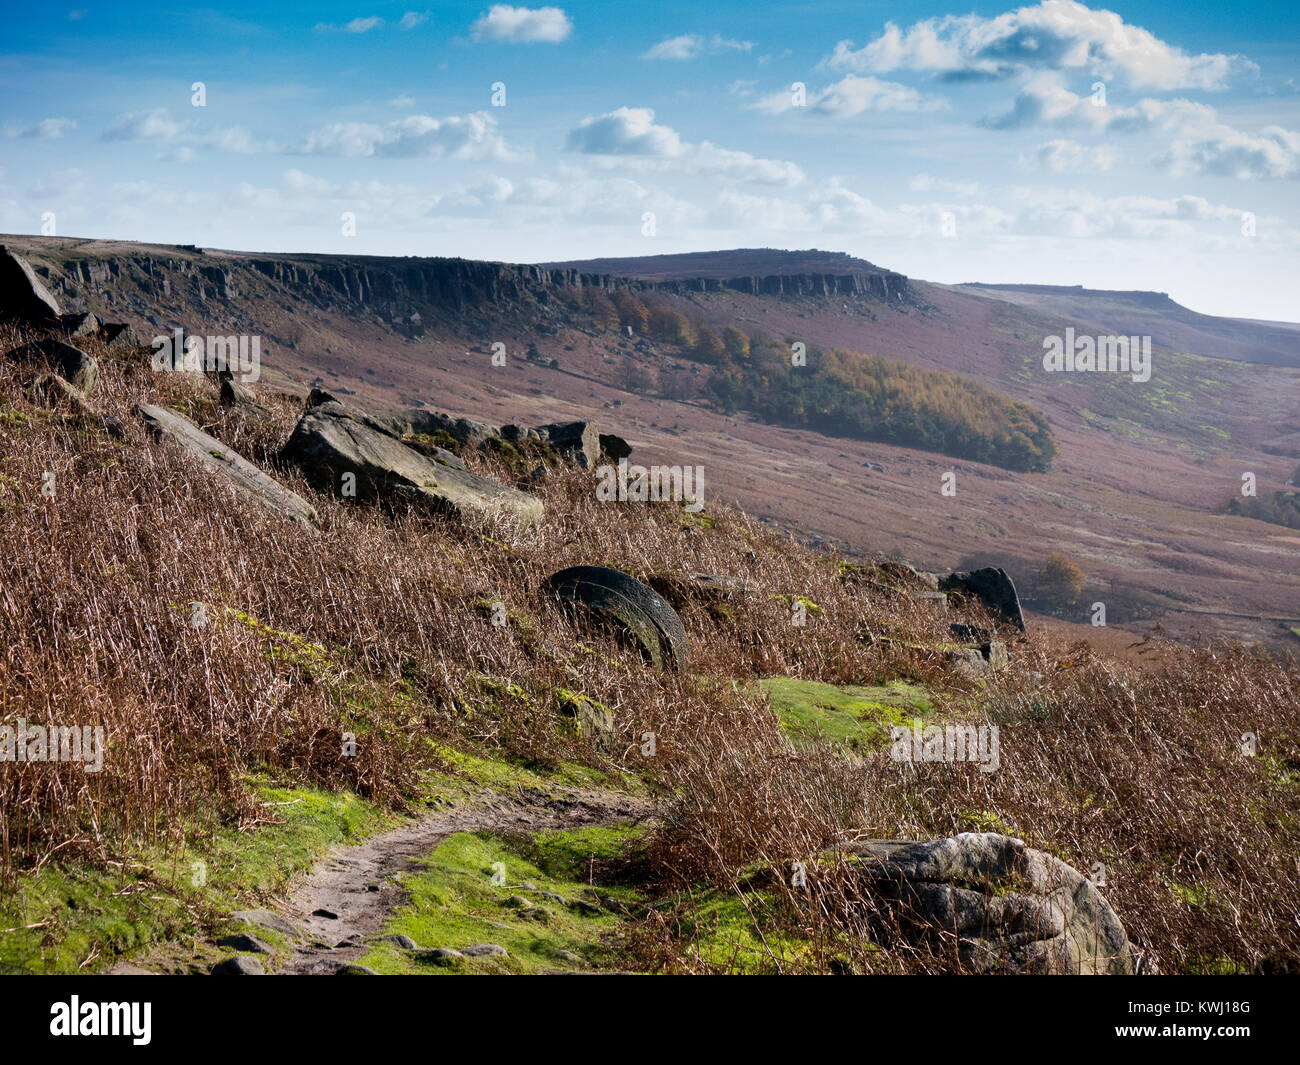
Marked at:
<point>857,718</point>
<point>519,893</point>
<point>67,917</point>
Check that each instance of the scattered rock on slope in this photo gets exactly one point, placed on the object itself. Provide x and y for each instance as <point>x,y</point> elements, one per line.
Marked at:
<point>638,610</point>
<point>1013,909</point>
<point>332,440</point>
<point>214,455</point>
<point>72,364</point>
<point>22,294</point>
<point>992,587</point>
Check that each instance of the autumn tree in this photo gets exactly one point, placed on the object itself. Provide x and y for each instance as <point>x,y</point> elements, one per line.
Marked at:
<point>1061,579</point>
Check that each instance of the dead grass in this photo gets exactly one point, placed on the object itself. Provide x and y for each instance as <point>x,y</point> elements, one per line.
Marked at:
<point>376,625</point>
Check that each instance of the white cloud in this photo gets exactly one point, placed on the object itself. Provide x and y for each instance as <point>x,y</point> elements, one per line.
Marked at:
<point>630,135</point>
<point>625,131</point>
<point>1226,152</point>
<point>927,183</point>
<point>1199,143</point>
<point>472,136</point>
<point>47,129</point>
<point>693,45</point>
<point>412,19</point>
<point>850,96</point>
<point>144,126</point>
<point>1054,35</point>
<point>357,25</point>
<point>1062,156</point>
<point>522,25</point>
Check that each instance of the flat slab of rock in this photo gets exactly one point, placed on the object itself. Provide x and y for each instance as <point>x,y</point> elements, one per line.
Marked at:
<point>22,294</point>
<point>1012,908</point>
<point>267,919</point>
<point>214,455</point>
<point>332,440</point>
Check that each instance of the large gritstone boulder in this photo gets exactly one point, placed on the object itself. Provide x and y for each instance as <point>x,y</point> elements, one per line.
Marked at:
<point>212,454</point>
<point>635,609</point>
<point>72,364</point>
<point>1012,909</point>
<point>347,453</point>
<point>992,587</point>
<point>22,295</point>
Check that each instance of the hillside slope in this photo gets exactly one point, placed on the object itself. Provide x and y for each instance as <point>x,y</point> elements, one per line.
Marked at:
<point>1135,495</point>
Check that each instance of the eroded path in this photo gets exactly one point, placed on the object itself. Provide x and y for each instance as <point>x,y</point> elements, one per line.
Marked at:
<point>346,898</point>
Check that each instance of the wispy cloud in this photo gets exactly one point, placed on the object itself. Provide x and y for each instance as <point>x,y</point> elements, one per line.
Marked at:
<point>693,45</point>
<point>474,136</point>
<point>851,95</point>
<point>631,134</point>
<point>47,129</point>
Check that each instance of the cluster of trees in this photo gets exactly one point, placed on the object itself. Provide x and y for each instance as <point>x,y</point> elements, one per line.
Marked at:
<point>1282,509</point>
<point>840,393</point>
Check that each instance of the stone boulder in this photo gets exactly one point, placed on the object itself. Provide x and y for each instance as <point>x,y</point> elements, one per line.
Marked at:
<point>120,337</point>
<point>332,440</point>
<point>614,447</point>
<point>992,587</point>
<point>630,605</point>
<point>576,442</point>
<point>72,364</point>
<point>214,455</point>
<point>236,394</point>
<point>1012,909</point>
<point>53,391</point>
<point>79,325</point>
<point>22,294</point>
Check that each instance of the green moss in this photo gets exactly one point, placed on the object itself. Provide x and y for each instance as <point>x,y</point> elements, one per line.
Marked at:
<point>462,895</point>
<point>67,916</point>
<point>731,932</point>
<point>984,821</point>
<point>853,717</point>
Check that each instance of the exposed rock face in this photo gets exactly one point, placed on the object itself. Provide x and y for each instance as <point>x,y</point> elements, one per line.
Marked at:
<point>332,440</point>
<point>22,294</point>
<point>1013,909</point>
<point>636,609</point>
<point>992,587</point>
<point>214,455</point>
<point>72,364</point>
<point>413,295</point>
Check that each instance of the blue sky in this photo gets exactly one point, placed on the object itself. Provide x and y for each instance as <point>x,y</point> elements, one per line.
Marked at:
<point>947,142</point>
